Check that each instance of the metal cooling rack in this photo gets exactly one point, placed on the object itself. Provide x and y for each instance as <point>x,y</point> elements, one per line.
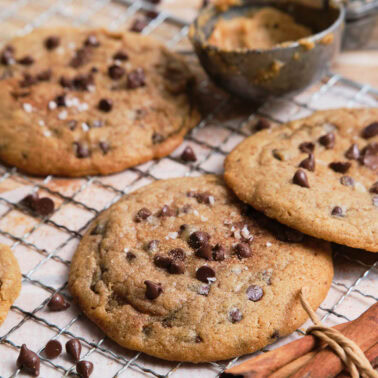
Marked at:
<point>350,293</point>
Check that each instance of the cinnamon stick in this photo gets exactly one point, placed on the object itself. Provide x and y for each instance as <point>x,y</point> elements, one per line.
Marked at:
<point>326,364</point>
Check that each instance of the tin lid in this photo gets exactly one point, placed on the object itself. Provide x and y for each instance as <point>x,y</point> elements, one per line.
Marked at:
<point>356,9</point>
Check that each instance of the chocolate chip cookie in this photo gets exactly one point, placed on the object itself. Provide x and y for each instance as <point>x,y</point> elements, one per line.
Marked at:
<point>318,175</point>
<point>76,102</point>
<point>182,270</point>
<point>10,280</point>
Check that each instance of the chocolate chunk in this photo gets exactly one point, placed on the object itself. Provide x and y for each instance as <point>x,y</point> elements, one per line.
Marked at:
<point>116,72</point>
<point>157,138</point>
<point>121,55</point>
<point>52,42</point>
<point>369,156</point>
<point>307,147</point>
<point>205,274</point>
<point>370,131</point>
<point>176,267</point>
<point>243,250</point>
<point>254,293</point>
<point>130,256</point>
<point>53,349</point>
<point>152,14</point>
<point>72,124</point>
<point>153,290</point>
<point>84,368</point>
<point>162,261</point>
<point>188,154</point>
<point>204,197</point>
<point>347,181</point>
<point>44,75</point>
<point>7,56</point>
<point>300,178</point>
<point>235,315</point>
<point>219,253</point>
<point>27,81</point>
<point>166,211</point>
<point>353,152</point>
<point>138,25</point>
<point>136,79</point>
<point>275,335</point>
<point>205,3</point>
<point>92,41</point>
<point>104,146</point>
<point>73,349</point>
<point>105,105</point>
<point>94,69</point>
<point>44,206</point>
<point>262,124</point>
<point>142,214</point>
<point>60,100</point>
<point>198,239</point>
<point>337,211</point>
<point>340,166</point>
<point>26,60</point>
<point>327,140</point>
<point>177,254</point>
<point>152,245</point>
<point>205,252</point>
<point>65,82</point>
<point>81,150</point>
<point>154,1</point>
<point>58,303</point>
<point>82,82</point>
<point>374,188</point>
<point>308,163</point>
<point>80,57</point>
<point>28,361</point>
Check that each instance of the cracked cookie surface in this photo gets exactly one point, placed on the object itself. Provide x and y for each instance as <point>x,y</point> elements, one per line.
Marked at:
<point>78,102</point>
<point>318,175</point>
<point>10,280</point>
<point>182,270</point>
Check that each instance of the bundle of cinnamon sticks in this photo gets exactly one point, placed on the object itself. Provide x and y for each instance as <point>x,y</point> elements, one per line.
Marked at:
<point>307,357</point>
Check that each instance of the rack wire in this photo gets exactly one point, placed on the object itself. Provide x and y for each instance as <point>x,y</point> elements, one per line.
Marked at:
<point>227,124</point>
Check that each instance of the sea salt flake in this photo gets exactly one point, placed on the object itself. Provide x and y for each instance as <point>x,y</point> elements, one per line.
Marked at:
<point>268,244</point>
<point>172,235</point>
<point>126,249</point>
<point>27,107</point>
<point>245,232</point>
<point>82,107</point>
<point>52,105</point>
<point>195,212</point>
<point>204,219</point>
<point>47,133</point>
<point>85,127</point>
<point>211,200</point>
<point>63,114</point>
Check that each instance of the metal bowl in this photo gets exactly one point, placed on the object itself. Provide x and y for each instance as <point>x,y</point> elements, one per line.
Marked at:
<point>257,74</point>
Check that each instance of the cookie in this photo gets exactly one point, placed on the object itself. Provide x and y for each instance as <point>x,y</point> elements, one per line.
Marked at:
<point>182,270</point>
<point>10,280</point>
<point>318,175</point>
<point>79,102</point>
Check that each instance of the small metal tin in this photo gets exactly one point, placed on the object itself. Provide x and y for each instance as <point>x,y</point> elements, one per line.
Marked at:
<point>290,68</point>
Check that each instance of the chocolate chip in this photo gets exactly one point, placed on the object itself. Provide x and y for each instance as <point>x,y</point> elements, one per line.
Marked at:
<point>142,214</point>
<point>152,14</point>
<point>82,82</point>
<point>307,147</point>
<point>177,254</point>
<point>28,361</point>
<point>157,138</point>
<point>58,303</point>
<point>219,253</point>
<point>327,140</point>
<point>44,206</point>
<point>152,245</point>
<point>73,349</point>
<point>27,81</point>
<point>72,124</point>
<point>136,79</point>
<point>275,335</point>
<point>262,124</point>
<point>104,146</point>
<point>81,150</point>
<point>116,72</point>
<point>198,238</point>
<point>370,131</point>
<point>162,261</point>
<point>369,156</point>
<point>166,211</point>
<point>52,42</point>
<point>138,25</point>
<point>60,100</point>
<point>205,252</point>
<point>84,368</point>
<point>65,82</point>
<point>347,181</point>
<point>121,55</point>
<point>26,60</point>
<point>340,166</point>
<point>92,41</point>
<point>188,154</point>
<point>204,197</point>
<point>254,293</point>
<point>30,200</point>
<point>374,188</point>
<point>80,57</point>
<point>235,315</point>
<point>308,163</point>
<point>205,273</point>
<point>44,75</point>
<point>94,69</point>
<point>243,250</point>
<point>153,290</point>
<point>53,349</point>
<point>205,3</point>
<point>130,256</point>
<point>337,211</point>
<point>154,1</point>
<point>300,178</point>
<point>105,105</point>
<point>176,267</point>
<point>353,152</point>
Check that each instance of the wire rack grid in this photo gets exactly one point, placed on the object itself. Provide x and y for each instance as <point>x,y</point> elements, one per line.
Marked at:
<point>225,125</point>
